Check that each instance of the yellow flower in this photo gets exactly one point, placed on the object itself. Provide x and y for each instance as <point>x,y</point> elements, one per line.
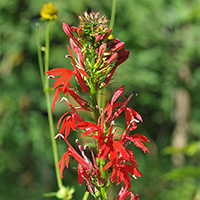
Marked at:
<point>49,11</point>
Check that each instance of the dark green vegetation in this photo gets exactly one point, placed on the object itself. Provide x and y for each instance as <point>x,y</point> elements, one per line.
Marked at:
<point>163,37</point>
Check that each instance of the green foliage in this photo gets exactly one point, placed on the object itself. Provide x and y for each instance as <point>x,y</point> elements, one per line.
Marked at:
<point>183,172</point>
<point>163,37</point>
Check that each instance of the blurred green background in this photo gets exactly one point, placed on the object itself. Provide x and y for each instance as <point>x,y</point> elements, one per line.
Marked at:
<point>164,68</point>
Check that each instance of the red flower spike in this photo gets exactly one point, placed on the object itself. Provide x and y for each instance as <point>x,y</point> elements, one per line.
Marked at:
<point>111,147</point>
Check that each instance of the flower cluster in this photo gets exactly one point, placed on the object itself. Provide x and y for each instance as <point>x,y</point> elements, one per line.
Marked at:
<point>98,55</point>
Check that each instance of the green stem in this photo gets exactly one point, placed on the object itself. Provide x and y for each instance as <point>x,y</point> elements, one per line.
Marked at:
<point>39,53</point>
<point>86,195</point>
<point>45,83</point>
<point>112,20</point>
<point>103,189</point>
<point>49,110</point>
<point>95,106</point>
<point>51,194</point>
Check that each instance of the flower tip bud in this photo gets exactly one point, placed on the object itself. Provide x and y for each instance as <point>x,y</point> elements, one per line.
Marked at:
<point>67,30</point>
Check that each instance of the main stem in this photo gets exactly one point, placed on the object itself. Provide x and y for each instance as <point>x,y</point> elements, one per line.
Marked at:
<point>95,108</point>
<point>48,101</point>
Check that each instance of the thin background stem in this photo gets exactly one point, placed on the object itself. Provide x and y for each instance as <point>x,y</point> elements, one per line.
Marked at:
<point>39,53</point>
<point>86,195</point>
<point>45,83</point>
<point>48,101</point>
<point>112,20</point>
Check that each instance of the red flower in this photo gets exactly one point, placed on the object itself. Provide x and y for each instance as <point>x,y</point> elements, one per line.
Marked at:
<point>136,139</point>
<point>70,120</point>
<point>112,147</point>
<point>62,83</point>
<point>90,128</point>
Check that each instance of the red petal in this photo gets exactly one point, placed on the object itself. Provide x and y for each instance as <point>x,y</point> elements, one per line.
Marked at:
<point>136,140</point>
<point>61,119</point>
<point>80,174</point>
<point>78,76</point>
<point>83,72</point>
<point>117,47</point>
<point>58,90</point>
<point>121,149</point>
<point>63,79</point>
<point>140,137</point>
<point>117,94</point>
<point>77,98</point>
<point>59,71</point>
<point>108,165</point>
<point>86,124</point>
<point>138,116</point>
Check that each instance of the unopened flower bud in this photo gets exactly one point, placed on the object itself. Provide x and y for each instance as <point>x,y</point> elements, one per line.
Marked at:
<point>67,30</point>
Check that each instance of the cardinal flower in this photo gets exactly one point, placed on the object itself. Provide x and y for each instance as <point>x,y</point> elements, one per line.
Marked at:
<point>94,56</point>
